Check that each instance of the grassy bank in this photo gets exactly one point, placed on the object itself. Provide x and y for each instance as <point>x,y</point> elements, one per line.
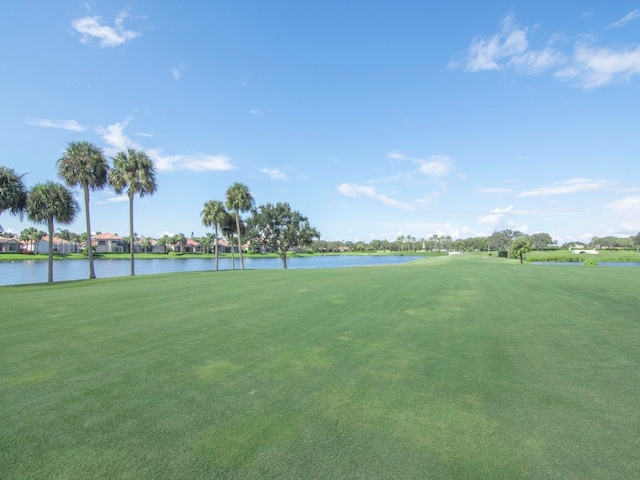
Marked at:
<point>444,368</point>
<point>568,256</point>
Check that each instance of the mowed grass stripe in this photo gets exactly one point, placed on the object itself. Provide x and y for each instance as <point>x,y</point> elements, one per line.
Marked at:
<point>444,368</point>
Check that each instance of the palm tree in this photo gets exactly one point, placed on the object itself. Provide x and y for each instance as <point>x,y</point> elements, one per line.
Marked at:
<point>229,228</point>
<point>51,201</point>
<point>83,164</point>
<point>13,193</point>
<point>133,172</point>
<point>214,215</point>
<point>239,199</point>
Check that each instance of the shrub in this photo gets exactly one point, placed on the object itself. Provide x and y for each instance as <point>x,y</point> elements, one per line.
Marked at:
<point>503,254</point>
<point>591,262</point>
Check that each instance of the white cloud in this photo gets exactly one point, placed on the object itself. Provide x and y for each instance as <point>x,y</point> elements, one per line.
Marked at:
<point>630,204</point>
<point>175,72</point>
<point>572,185</point>
<point>490,219</point>
<point>256,113</point>
<point>502,210</point>
<point>434,166</point>
<point>351,190</point>
<point>71,125</point>
<point>490,53</point>
<point>194,163</point>
<point>91,28</point>
<point>595,67</point>
<point>624,20</point>
<point>114,135</point>
<point>437,166</point>
<point>118,199</point>
<point>274,174</point>
<point>587,65</point>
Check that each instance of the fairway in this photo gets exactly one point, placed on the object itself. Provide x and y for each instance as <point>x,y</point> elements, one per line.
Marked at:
<point>445,368</point>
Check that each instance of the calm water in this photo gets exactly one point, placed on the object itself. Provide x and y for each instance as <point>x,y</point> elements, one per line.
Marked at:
<point>35,271</point>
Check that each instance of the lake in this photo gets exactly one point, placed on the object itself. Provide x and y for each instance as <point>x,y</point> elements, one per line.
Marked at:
<point>35,271</point>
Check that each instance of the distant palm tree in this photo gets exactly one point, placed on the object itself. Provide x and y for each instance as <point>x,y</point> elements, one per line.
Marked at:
<point>13,193</point>
<point>239,199</point>
<point>133,172</point>
<point>83,164</point>
<point>228,228</point>
<point>48,202</point>
<point>145,244</point>
<point>214,215</point>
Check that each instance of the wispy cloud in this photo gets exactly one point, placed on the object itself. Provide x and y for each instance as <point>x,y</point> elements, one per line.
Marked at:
<point>596,67</point>
<point>625,210</point>
<point>92,28</point>
<point>117,199</point>
<point>274,174</point>
<point>572,185</point>
<point>629,204</point>
<point>494,190</point>
<point>176,72</point>
<point>114,135</point>
<point>624,20</point>
<point>434,166</point>
<point>586,65</point>
<point>194,163</point>
<point>256,113</point>
<point>70,125</point>
<point>494,216</point>
<point>351,190</point>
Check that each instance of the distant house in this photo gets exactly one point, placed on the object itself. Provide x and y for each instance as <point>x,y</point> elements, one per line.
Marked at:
<point>10,245</point>
<point>109,243</point>
<point>225,247</point>
<point>60,246</point>
<point>190,246</point>
<point>154,247</point>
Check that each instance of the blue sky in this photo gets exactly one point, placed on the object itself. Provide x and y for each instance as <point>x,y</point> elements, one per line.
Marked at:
<point>374,118</point>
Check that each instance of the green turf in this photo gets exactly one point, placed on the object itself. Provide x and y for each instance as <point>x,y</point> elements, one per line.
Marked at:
<point>444,368</point>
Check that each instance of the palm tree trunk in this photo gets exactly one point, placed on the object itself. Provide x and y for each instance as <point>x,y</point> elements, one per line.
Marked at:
<point>216,247</point>
<point>239,246</point>
<point>50,274</point>
<point>131,232</point>
<point>92,272</point>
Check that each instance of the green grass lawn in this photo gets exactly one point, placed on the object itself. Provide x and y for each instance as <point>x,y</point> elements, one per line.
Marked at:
<point>462,367</point>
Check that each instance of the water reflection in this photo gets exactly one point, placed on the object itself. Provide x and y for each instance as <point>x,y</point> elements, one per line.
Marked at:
<point>35,271</point>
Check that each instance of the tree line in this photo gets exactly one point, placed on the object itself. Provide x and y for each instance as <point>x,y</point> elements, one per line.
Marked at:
<point>132,172</point>
<point>83,165</point>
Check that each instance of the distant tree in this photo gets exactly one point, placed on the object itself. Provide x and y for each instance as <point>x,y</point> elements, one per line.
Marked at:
<point>502,240</point>
<point>213,215</point>
<point>31,236</point>
<point>145,244</point>
<point>50,202</point>
<point>636,241</point>
<point>282,228</point>
<point>83,164</point>
<point>540,241</point>
<point>180,240</point>
<point>13,192</point>
<point>133,172</point>
<point>519,247</point>
<point>164,240</point>
<point>239,199</point>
